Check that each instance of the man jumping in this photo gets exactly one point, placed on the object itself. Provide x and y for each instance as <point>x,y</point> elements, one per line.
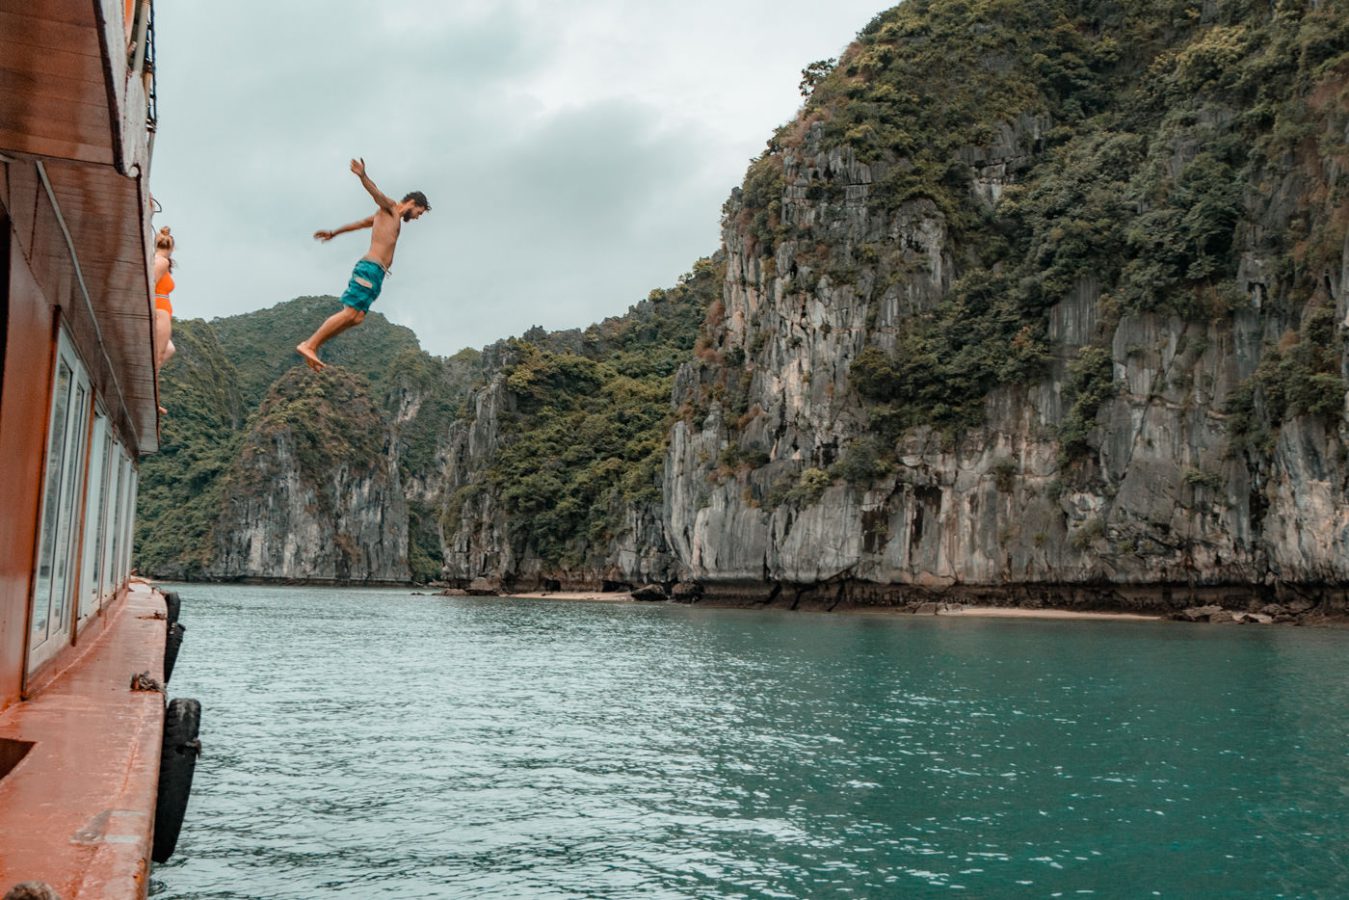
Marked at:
<point>368,276</point>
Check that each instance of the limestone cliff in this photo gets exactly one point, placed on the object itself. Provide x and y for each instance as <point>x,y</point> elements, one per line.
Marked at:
<point>314,493</point>
<point>179,497</point>
<point>1039,301</point>
<point>1144,304</point>
<point>269,471</point>
<point>553,474</point>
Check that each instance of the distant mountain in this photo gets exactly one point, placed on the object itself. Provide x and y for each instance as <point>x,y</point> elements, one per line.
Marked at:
<point>241,405</point>
<point>261,344</point>
<point>270,471</point>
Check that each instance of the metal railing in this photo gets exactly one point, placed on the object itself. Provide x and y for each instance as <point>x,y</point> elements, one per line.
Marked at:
<point>151,97</point>
<point>141,57</point>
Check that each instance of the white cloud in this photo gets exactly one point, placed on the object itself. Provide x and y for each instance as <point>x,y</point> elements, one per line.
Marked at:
<point>576,155</point>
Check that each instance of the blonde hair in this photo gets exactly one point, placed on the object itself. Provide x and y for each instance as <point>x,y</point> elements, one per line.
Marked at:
<point>164,241</point>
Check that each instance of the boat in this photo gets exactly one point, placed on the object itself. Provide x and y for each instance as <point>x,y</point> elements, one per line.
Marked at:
<point>89,743</point>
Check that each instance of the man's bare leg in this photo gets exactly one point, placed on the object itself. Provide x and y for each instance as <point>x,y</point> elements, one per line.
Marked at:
<point>338,322</point>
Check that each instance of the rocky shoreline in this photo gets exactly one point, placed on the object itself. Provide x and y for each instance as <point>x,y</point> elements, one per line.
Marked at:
<point>1212,604</point>
<point>1280,603</point>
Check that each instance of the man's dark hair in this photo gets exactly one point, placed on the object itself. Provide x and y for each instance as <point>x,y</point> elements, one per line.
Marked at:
<point>419,198</point>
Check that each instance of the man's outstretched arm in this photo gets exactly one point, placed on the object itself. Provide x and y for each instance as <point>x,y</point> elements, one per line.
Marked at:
<point>354,226</point>
<point>384,203</point>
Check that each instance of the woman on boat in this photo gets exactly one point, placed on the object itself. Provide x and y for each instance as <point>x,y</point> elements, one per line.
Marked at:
<point>163,288</point>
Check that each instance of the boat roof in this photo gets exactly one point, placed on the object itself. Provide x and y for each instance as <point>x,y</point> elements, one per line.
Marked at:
<point>76,127</point>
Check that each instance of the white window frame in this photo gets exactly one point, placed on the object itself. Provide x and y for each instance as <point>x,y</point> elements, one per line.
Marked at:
<point>123,518</point>
<point>112,542</point>
<point>95,515</point>
<point>129,524</point>
<point>59,537</point>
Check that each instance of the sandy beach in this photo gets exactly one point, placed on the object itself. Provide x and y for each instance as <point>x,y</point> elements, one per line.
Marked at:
<point>575,596</point>
<point>990,612</point>
<point>1012,612</point>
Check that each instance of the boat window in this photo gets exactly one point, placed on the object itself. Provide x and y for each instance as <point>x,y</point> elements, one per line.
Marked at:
<point>64,588</point>
<point>56,448</point>
<point>54,587</point>
<point>113,535</point>
<point>115,526</point>
<point>129,523</point>
<point>124,520</point>
<point>94,516</point>
<point>105,586</point>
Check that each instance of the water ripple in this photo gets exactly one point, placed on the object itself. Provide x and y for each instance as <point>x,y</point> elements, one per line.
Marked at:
<point>370,744</point>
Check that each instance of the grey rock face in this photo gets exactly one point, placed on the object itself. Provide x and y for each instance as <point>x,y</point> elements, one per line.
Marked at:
<point>1168,501</point>
<point>483,540</point>
<point>1164,499</point>
<point>1164,510</point>
<point>315,494</point>
<point>346,525</point>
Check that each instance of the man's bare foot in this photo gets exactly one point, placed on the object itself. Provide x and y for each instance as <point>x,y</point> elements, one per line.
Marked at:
<point>163,411</point>
<point>311,358</point>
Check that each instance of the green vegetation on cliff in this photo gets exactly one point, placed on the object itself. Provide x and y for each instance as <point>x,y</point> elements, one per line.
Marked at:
<point>1137,144</point>
<point>379,386</point>
<point>180,488</point>
<point>587,436</point>
<point>327,420</point>
<point>1299,376</point>
<point>262,343</point>
<point>425,396</point>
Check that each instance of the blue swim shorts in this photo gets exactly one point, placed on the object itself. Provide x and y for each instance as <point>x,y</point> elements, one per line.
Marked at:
<point>366,280</point>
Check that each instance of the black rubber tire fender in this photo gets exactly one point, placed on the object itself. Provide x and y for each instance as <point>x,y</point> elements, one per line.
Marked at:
<point>174,605</point>
<point>182,723</point>
<point>173,642</point>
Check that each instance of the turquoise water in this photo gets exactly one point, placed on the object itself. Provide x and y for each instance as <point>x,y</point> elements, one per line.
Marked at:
<point>367,744</point>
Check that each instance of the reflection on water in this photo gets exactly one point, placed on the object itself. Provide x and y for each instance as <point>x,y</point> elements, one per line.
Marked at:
<point>374,744</point>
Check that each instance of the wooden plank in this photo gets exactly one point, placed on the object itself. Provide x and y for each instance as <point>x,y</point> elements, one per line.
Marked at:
<point>16,86</point>
<point>78,184</point>
<point>129,271</point>
<point>97,198</point>
<point>18,57</point>
<point>96,747</point>
<point>49,244</point>
<point>103,211</point>
<point>112,263</point>
<point>53,148</point>
<point>52,112</point>
<point>103,250</point>
<point>23,188</point>
<point>69,12</point>
<point>50,34</point>
<point>39,116</point>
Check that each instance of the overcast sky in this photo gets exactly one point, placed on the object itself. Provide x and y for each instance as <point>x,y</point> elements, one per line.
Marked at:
<point>576,154</point>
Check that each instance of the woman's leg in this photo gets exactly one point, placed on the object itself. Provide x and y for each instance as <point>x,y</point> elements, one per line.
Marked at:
<point>163,334</point>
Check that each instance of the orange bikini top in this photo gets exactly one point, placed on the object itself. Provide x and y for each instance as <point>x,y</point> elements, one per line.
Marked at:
<point>164,286</point>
